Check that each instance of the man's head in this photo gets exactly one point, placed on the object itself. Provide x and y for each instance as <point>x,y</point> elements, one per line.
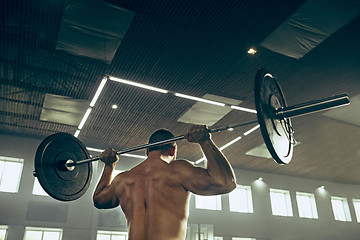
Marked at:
<point>161,135</point>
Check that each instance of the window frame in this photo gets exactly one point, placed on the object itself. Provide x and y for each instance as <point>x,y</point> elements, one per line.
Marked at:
<point>112,233</point>
<point>43,230</point>
<point>199,200</point>
<point>199,231</point>
<point>287,200</point>
<point>247,200</point>
<point>313,207</point>
<point>345,209</point>
<point>356,203</point>
<point>5,160</point>
<point>5,229</point>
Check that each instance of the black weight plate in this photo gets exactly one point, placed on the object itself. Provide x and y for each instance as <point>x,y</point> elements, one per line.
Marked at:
<point>277,134</point>
<point>50,159</point>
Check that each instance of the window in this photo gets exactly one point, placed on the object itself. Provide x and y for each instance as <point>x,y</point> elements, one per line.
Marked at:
<point>37,189</point>
<point>241,199</point>
<point>341,209</point>
<point>108,235</point>
<point>280,202</point>
<point>32,233</point>
<point>357,208</point>
<point>200,232</point>
<point>306,205</point>
<point>208,202</point>
<point>3,232</point>
<point>10,173</point>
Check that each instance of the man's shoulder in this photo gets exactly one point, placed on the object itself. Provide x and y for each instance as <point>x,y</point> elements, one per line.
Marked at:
<point>182,162</point>
<point>181,165</point>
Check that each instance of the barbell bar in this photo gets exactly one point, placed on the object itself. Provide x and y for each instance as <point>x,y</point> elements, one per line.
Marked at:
<point>149,145</point>
<point>281,113</point>
<point>62,163</point>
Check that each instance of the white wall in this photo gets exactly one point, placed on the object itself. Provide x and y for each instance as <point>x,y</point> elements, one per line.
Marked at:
<point>80,220</point>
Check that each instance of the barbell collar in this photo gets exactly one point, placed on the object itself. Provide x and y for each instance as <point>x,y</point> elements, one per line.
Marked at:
<point>312,106</point>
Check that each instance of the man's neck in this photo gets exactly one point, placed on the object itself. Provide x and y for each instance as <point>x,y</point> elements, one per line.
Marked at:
<point>157,155</point>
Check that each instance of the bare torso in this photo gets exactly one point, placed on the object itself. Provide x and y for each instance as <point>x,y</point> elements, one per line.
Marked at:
<point>153,200</point>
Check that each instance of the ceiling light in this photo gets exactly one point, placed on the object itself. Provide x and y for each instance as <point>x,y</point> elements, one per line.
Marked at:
<point>98,91</point>
<point>88,111</point>
<point>200,160</point>
<point>229,143</point>
<point>321,190</point>
<point>221,148</point>
<point>134,156</point>
<point>114,106</point>
<point>200,99</point>
<point>135,84</point>
<point>251,130</point>
<point>243,109</point>
<point>252,51</point>
<point>231,129</point>
<point>77,133</point>
<point>94,149</point>
<point>260,179</point>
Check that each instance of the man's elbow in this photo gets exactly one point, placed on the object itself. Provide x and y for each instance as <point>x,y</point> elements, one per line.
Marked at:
<point>227,186</point>
<point>98,203</point>
<point>230,186</point>
<point>104,203</point>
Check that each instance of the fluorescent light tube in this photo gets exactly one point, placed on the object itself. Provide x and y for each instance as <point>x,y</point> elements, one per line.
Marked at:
<point>137,84</point>
<point>88,111</point>
<point>98,91</point>
<point>221,148</point>
<point>229,143</point>
<point>200,160</point>
<point>133,156</point>
<point>77,133</point>
<point>94,149</point>
<point>251,130</point>
<point>200,99</point>
<point>243,109</point>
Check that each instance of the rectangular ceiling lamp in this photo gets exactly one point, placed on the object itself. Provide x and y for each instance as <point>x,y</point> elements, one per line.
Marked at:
<point>63,110</point>
<point>135,84</point>
<point>206,113</point>
<point>262,151</point>
<point>259,151</point>
<point>92,28</point>
<point>200,99</point>
<point>311,24</point>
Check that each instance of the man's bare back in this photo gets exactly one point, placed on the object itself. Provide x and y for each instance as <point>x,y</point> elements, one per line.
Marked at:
<point>153,200</point>
<point>154,195</point>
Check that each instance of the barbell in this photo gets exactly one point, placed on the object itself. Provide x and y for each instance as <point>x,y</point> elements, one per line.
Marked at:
<point>64,169</point>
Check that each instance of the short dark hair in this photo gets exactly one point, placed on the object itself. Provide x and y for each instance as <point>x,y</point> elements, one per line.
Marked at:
<point>161,135</point>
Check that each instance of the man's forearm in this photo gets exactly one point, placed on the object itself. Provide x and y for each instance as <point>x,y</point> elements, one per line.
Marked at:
<point>218,166</point>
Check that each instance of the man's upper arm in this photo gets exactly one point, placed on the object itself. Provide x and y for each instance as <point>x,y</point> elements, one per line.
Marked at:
<point>107,198</point>
<point>196,179</point>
